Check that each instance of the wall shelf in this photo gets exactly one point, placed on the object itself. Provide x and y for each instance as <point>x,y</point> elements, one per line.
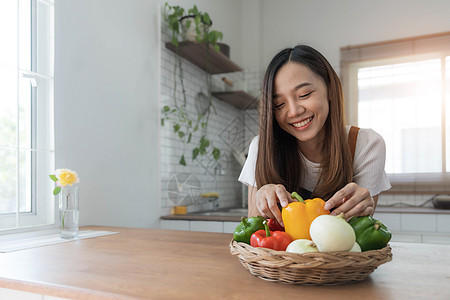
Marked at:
<point>196,54</point>
<point>239,99</point>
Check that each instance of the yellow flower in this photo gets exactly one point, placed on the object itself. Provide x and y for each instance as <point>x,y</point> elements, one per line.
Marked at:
<point>66,177</point>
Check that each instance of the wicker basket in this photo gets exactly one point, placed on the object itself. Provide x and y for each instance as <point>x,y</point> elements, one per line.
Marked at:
<point>309,268</point>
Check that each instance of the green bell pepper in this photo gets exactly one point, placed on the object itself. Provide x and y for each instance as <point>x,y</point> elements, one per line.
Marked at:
<point>370,233</point>
<point>247,227</point>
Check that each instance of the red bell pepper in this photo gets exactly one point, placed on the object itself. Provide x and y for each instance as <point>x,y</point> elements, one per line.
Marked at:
<point>274,225</point>
<point>276,240</point>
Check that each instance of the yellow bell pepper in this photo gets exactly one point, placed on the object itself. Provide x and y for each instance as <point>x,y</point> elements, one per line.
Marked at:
<point>297,216</point>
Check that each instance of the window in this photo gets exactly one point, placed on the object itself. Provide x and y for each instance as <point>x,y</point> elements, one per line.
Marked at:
<point>401,89</point>
<point>26,113</point>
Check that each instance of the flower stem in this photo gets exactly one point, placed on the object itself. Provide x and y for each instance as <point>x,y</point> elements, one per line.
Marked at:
<point>64,212</point>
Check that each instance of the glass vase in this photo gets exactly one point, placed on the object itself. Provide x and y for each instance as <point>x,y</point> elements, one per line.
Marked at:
<point>68,212</point>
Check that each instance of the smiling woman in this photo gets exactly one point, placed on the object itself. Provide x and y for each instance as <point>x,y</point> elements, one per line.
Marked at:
<point>26,128</point>
<point>303,146</point>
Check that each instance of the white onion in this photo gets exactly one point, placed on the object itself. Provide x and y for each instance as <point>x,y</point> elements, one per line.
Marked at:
<point>355,248</point>
<point>332,233</point>
<point>302,246</point>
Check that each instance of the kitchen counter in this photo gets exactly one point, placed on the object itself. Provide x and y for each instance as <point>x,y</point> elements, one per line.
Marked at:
<point>165,264</point>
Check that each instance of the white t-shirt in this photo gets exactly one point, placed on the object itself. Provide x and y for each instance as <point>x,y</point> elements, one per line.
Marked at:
<point>368,165</point>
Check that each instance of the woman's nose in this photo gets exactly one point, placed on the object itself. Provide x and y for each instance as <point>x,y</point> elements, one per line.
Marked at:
<point>294,109</point>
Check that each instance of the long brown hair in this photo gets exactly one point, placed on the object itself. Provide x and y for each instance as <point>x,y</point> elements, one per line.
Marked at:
<point>279,159</point>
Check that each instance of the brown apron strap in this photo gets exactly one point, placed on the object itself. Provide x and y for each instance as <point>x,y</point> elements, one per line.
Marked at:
<point>352,137</point>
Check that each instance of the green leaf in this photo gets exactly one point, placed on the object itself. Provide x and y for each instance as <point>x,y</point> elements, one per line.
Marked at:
<point>189,137</point>
<point>197,19</point>
<point>203,125</point>
<point>56,190</point>
<point>182,160</point>
<point>204,143</point>
<point>176,127</point>
<point>180,134</point>
<point>217,48</point>
<point>195,153</point>
<point>195,128</point>
<point>162,121</point>
<point>53,177</point>
<point>166,108</point>
<point>206,19</point>
<point>216,153</point>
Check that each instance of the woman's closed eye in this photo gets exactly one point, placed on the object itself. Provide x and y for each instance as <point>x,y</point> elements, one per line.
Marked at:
<point>278,106</point>
<point>304,95</point>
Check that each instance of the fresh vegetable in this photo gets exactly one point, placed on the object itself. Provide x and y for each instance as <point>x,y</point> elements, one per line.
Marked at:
<point>276,240</point>
<point>332,233</point>
<point>274,225</point>
<point>355,248</point>
<point>302,246</point>
<point>247,227</point>
<point>371,234</point>
<point>297,216</point>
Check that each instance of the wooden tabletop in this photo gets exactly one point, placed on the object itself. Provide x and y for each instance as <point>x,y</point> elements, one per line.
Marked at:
<point>165,264</point>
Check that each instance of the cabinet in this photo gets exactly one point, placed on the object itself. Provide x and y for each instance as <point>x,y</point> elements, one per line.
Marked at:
<point>218,63</point>
<point>207,226</point>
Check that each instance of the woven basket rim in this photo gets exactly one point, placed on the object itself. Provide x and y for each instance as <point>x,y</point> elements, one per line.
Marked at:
<point>279,260</point>
<point>234,244</point>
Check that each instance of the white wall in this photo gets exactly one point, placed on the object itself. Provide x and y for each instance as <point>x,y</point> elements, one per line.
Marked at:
<point>107,107</point>
<point>328,25</point>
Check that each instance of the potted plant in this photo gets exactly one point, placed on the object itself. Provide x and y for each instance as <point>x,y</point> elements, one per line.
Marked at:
<point>187,26</point>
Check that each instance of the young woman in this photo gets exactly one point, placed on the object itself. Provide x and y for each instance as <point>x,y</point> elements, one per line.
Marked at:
<point>303,142</point>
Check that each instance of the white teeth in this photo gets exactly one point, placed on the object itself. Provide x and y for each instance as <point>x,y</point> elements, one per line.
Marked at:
<point>303,123</point>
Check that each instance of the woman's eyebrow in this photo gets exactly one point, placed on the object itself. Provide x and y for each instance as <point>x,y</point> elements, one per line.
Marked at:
<point>294,89</point>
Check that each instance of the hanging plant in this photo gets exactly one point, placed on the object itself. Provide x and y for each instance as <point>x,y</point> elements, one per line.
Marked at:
<point>180,24</point>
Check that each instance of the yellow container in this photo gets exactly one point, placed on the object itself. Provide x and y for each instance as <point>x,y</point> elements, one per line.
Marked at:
<point>178,210</point>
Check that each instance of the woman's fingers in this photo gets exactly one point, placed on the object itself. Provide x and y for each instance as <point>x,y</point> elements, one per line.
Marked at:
<point>268,198</point>
<point>284,196</point>
<point>340,196</point>
<point>352,200</point>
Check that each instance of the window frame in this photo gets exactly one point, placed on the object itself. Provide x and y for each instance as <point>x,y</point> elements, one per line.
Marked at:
<point>398,51</point>
<point>40,152</point>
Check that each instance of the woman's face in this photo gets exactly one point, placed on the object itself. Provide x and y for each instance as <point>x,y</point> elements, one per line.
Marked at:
<point>300,102</point>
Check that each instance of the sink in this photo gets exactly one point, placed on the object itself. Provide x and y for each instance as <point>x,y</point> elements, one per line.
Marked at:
<point>232,212</point>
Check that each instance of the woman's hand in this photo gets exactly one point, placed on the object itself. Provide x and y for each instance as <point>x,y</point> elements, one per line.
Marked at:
<point>352,200</point>
<point>266,201</point>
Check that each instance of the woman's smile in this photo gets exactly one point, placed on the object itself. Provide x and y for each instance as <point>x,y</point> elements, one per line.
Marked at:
<point>302,124</point>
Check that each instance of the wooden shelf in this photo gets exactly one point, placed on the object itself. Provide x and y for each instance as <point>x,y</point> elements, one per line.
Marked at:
<point>239,99</point>
<point>196,54</point>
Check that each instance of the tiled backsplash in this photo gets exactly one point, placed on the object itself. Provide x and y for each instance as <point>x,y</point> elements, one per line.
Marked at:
<point>228,127</point>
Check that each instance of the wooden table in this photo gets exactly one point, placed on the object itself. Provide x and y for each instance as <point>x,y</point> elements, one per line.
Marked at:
<point>164,264</point>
